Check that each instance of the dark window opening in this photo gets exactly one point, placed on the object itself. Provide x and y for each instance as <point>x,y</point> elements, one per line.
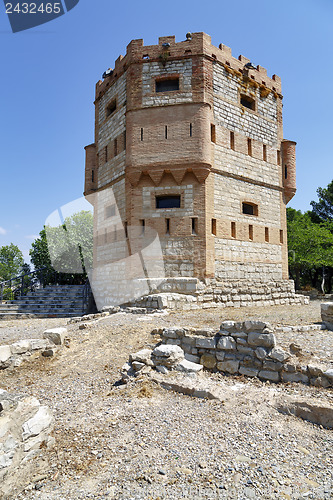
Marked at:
<point>249,147</point>
<point>111,108</point>
<point>167,85</point>
<point>264,152</point>
<point>233,229</point>
<point>278,157</point>
<point>93,176</point>
<point>250,232</point>
<point>250,208</point>
<point>214,227</point>
<point>212,133</point>
<point>167,226</point>
<point>285,172</point>
<point>248,102</point>
<point>142,134</point>
<point>166,131</point>
<point>232,140</point>
<point>194,225</point>
<point>106,154</point>
<point>110,211</point>
<point>143,225</point>
<point>191,129</point>
<point>266,234</point>
<point>171,201</point>
<point>281,236</point>
<point>126,229</point>
<point>125,139</point>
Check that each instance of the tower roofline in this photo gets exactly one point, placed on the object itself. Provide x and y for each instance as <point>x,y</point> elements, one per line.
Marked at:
<point>198,44</point>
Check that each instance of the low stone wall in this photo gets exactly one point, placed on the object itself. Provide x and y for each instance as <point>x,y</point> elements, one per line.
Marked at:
<point>327,314</point>
<point>190,293</point>
<point>245,348</point>
<point>25,430</point>
<point>13,355</point>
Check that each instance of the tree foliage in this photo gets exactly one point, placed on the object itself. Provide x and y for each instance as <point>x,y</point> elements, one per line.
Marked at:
<point>11,261</point>
<point>66,249</point>
<point>310,242</point>
<point>324,207</point>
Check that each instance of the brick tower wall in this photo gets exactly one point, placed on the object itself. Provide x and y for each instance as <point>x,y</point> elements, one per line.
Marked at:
<point>201,142</point>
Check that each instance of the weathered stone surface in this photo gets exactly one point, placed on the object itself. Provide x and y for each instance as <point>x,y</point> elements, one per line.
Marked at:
<point>248,372</point>
<point>192,357</point>
<point>55,335</point>
<point>317,413</point>
<point>227,344</point>
<point>261,353</point>
<point>327,314</point>
<point>19,450</point>
<point>208,361</point>
<point>228,366</point>
<point>269,375</point>
<point>39,344</point>
<point>329,374</point>
<point>143,356</point>
<point>294,377</point>
<point>162,369</point>
<point>228,325</point>
<point>261,339</point>
<point>137,365</point>
<point>275,366</point>
<point>255,326</point>
<point>5,354</point>
<point>316,370</point>
<point>173,333</point>
<point>35,425</point>
<point>188,367</point>
<point>279,354</point>
<point>206,343</point>
<point>21,347</point>
<point>167,355</point>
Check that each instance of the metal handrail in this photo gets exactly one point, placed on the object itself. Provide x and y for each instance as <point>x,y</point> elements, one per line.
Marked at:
<point>22,284</point>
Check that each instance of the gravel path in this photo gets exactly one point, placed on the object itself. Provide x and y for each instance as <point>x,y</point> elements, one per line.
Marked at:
<point>140,441</point>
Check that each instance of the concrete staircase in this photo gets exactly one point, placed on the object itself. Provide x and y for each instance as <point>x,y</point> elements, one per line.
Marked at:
<point>53,301</point>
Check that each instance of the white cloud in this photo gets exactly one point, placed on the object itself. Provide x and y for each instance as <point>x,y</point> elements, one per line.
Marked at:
<point>2,230</point>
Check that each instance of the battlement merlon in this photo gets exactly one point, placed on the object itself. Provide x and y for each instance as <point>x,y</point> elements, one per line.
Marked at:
<point>199,44</point>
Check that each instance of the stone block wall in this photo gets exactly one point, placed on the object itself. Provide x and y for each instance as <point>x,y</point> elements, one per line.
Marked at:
<point>190,293</point>
<point>245,348</point>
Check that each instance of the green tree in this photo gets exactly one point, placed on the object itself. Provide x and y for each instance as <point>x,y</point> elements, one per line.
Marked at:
<point>71,244</point>
<point>310,245</point>
<point>66,249</point>
<point>11,261</point>
<point>324,207</point>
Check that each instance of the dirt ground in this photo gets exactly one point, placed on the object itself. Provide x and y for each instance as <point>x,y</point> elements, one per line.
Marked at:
<point>138,441</point>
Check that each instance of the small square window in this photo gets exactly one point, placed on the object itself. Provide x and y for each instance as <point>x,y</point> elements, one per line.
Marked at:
<point>249,208</point>
<point>167,85</point>
<point>172,201</point>
<point>111,108</point>
<point>248,102</point>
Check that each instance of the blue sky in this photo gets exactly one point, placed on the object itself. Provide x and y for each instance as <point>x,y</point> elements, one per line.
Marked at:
<point>48,77</point>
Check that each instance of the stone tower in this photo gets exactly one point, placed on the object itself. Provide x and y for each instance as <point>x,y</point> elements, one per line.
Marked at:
<point>190,139</point>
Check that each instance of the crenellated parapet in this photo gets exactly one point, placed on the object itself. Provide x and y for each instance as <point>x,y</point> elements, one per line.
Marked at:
<point>197,44</point>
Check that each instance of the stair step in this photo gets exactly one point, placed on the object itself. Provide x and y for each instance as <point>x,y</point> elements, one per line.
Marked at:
<point>51,301</point>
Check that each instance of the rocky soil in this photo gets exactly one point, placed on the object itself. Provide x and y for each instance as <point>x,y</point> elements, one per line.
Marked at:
<point>139,441</point>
